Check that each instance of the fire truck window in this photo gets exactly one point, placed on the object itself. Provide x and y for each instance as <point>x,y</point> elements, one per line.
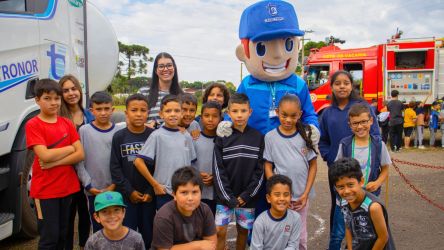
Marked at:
<point>316,76</point>
<point>12,6</point>
<point>356,71</point>
<point>410,60</point>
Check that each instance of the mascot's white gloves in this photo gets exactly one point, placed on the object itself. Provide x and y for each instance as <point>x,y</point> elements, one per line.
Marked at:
<point>224,129</point>
<point>315,134</point>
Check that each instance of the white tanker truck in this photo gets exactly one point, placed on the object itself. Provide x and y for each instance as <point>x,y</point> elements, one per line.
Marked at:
<point>42,39</point>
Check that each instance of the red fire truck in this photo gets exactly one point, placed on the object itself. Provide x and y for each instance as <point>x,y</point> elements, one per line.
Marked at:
<point>414,67</point>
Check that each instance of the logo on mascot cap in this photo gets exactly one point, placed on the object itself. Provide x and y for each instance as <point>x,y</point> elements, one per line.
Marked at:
<point>268,20</point>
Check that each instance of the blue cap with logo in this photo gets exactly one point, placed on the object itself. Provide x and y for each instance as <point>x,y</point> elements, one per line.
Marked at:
<point>107,199</point>
<point>268,20</point>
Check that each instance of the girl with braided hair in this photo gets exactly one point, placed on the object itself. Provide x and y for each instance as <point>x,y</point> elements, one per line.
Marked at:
<point>289,151</point>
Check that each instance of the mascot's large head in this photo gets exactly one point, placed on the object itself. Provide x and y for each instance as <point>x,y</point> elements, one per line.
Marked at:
<point>269,46</point>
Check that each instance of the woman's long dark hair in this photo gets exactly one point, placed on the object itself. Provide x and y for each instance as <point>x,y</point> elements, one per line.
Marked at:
<point>354,95</point>
<point>303,129</point>
<point>154,88</point>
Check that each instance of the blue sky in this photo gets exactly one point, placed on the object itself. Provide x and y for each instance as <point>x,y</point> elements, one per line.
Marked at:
<point>202,35</point>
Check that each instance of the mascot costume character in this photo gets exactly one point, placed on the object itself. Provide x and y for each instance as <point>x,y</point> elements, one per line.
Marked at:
<point>269,33</point>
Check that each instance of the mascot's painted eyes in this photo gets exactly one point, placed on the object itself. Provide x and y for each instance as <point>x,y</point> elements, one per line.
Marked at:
<point>260,49</point>
<point>289,44</point>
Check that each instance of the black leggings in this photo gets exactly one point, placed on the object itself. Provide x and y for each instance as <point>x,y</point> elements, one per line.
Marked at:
<point>79,205</point>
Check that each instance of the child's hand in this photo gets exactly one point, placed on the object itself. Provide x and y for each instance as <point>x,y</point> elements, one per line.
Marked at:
<point>195,134</point>
<point>207,178</point>
<point>151,124</point>
<point>94,191</point>
<point>46,165</point>
<point>206,244</point>
<point>182,130</point>
<point>300,203</point>
<point>241,202</point>
<point>109,188</point>
<point>147,198</point>
<point>372,186</point>
<point>136,197</point>
<point>159,189</point>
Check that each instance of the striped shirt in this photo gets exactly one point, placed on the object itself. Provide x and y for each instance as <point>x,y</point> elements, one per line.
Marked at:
<point>154,111</point>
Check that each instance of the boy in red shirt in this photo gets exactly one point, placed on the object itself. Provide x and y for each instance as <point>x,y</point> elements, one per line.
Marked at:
<point>57,147</point>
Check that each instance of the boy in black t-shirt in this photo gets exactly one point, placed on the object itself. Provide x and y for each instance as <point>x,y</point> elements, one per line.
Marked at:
<point>185,221</point>
<point>137,192</point>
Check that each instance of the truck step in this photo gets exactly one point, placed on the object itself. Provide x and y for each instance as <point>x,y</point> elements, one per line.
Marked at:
<point>4,178</point>
<point>6,221</point>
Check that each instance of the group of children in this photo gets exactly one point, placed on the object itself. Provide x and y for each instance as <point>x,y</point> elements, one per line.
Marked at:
<point>395,119</point>
<point>145,186</point>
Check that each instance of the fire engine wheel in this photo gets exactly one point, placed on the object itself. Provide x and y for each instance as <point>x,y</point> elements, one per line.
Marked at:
<point>29,218</point>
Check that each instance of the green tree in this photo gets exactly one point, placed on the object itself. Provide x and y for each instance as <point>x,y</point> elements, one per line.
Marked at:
<point>230,86</point>
<point>310,45</point>
<point>135,60</point>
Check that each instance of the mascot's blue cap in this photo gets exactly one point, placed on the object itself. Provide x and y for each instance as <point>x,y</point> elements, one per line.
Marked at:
<point>268,20</point>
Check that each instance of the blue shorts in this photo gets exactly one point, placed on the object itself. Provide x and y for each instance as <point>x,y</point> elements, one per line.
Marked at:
<point>244,216</point>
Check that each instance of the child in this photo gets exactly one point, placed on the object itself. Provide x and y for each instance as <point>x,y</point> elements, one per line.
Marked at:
<point>217,92</point>
<point>365,216</point>
<point>290,150</point>
<point>409,123</point>
<point>371,153</point>
<point>204,145</point>
<point>94,172</point>
<point>57,147</point>
<point>110,211</point>
<point>138,194</point>
<point>189,108</point>
<point>434,122</point>
<point>420,122</point>
<point>395,108</point>
<point>238,172</point>
<point>279,227</point>
<point>167,149</point>
<point>185,221</point>
<point>343,97</point>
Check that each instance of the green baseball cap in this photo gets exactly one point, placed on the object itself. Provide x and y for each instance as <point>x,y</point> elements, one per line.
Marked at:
<point>107,199</point>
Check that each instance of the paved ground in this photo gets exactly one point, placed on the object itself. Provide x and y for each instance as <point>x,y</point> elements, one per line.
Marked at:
<point>414,222</point>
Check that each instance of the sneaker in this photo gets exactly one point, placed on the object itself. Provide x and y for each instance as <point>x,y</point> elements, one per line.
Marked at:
<point>421,147</point>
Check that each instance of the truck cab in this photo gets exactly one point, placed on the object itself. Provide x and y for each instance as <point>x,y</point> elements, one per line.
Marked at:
<point>42,39</point>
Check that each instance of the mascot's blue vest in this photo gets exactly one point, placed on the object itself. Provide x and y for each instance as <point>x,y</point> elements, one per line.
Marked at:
<point>376,148</point>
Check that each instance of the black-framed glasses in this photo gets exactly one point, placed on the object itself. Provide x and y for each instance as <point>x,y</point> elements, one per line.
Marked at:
<point>165,66</point>
<point>356,124</point>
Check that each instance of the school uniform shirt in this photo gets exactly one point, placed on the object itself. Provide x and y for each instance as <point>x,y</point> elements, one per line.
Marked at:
<point>360,224</point>
<point>168,150</point>
<point>290,157</point>
<point>270,233</point>
<point>132,241</point>
<point>94,171</point>
<point>172,228</point>
<point>204,146</point>
<point>59,181</point>
<point>125,147</point>
<point>238,167</point>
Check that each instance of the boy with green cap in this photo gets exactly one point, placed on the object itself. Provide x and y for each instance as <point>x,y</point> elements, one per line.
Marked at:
<point>109,212</point>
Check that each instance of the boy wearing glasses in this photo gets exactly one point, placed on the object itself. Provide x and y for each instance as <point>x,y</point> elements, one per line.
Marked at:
<point>371,153</point>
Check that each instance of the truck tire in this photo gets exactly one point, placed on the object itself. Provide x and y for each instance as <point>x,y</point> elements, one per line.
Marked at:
<point>21,169</point>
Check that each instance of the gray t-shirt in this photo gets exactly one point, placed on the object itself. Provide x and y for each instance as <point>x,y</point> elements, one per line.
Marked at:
<point>290,156</point>
<point>361,155</point>
<point>132,241</point>
<point>94,169</point>
<point>204,146</point>
<point>270,233</point>
<point>171,150</point>
<point>193,126</point>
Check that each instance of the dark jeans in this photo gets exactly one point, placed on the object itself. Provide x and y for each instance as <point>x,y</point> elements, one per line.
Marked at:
<point>337,225</point>
<point>385,133</point>
<point>211,204</point>
<point>79,205</point>
<point>140,217</point>
<point>53,226</point>
<point>95,225</point>
<point>396,136</point>
<point>162,200</point>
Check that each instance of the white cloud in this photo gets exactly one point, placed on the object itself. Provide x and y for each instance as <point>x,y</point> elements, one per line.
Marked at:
<point>202,35</point>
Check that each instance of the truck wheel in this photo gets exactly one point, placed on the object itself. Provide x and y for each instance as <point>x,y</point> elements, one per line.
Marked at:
<point>29,218</point>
